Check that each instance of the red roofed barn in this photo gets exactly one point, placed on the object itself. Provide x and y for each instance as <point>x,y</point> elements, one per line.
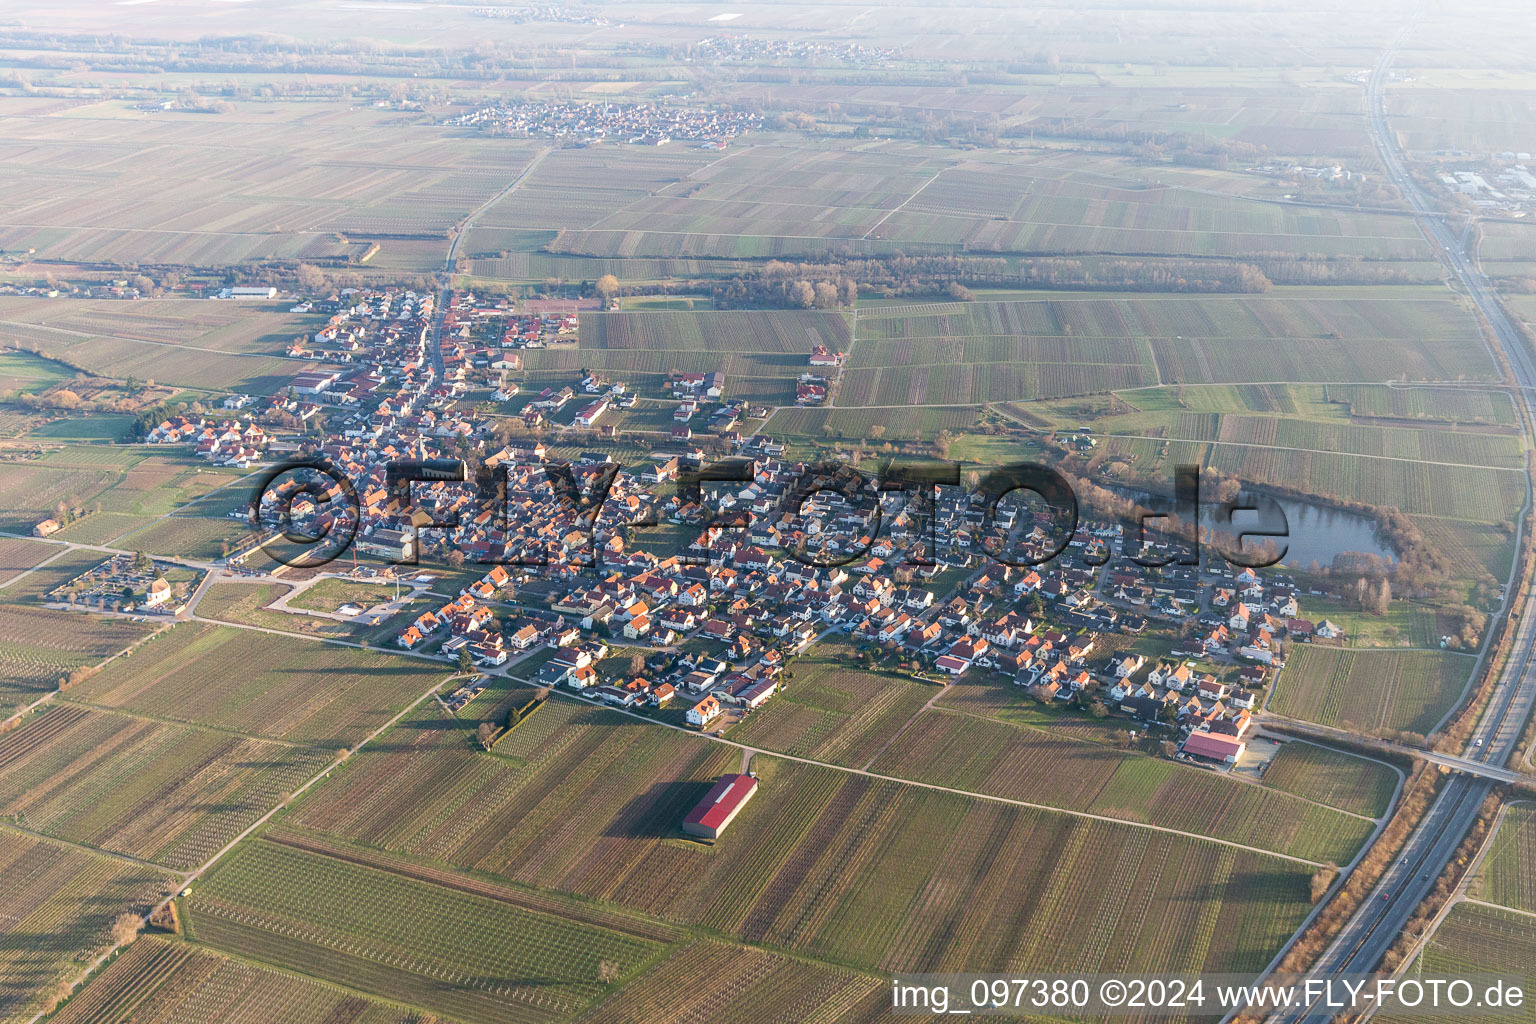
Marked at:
<point>719,806</point>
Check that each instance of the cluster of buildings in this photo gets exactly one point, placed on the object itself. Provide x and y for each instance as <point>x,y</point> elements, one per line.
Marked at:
<point>222,442</point>
<point>702,400</point>
<point>544,12</point>
<point>486,324</point>
<point>361,324</point>
<point>1511,190</point>
<point>733,49</point>
<point>1317,172</point>
<point>642,124</point>
<point>717,619</point>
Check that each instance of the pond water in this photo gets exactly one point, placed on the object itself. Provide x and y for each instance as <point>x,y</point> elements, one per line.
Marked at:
<point>1317,533</point>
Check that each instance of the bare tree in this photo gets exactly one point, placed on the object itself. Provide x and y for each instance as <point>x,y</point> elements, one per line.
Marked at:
<point>126,928</point>
<point>485,733</point>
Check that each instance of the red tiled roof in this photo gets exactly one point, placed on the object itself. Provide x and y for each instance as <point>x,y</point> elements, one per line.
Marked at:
<point>1204,744</point>
<point>729,793</point>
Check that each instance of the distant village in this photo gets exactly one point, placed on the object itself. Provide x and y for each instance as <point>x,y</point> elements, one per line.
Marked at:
<point>717,619</point>
<point>640,124</point>
<point>736,48</point>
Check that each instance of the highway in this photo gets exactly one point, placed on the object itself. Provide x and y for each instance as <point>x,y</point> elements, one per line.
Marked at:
<point>1380,919</point>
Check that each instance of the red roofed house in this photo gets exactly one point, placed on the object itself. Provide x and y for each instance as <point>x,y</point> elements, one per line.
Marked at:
<point>1218,748</point>
<point>704,712</point>
<point>720,805</point>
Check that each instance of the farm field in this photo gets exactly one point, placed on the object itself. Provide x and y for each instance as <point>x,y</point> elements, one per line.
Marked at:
<point>796,870</point>
<point>117,481</point>
<point>160,484</point>
<point>254,683</point>
<point>41,646</point>
<point>1454,491</point>
<point>747,985</point>
<point>99,427</point>
<point>29,491</point>
<point>945,205</point>
<point>1471,547</point>
<point>821,424</point>
<point>165,981</point>
<point>18,555</point>
<point>1034,765</point>
<point>1475,939</point>
<point>250,327</point>
<point>454,952</point>
<point>1421,407</point>
<point>269,181</point>
<point>833,712</point>
<point>166,364</point>
<point>59,903</point>
<point>1332,777</point>
<point>761,352</point>
<point>1501,451</point>
<point>24,371</point>
<point>172,794</point>
<point>29,591</point>
<point>1369,690</point>
<point>190,537</point>
<point>1508,875</point>
<point>330,594</point>
<point>1344,335</point>
<point>101,528</point>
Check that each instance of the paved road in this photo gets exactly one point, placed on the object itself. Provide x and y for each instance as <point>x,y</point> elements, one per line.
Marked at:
<point>435,341</point>
<point>1380,919</point>
<point>1327,734</point>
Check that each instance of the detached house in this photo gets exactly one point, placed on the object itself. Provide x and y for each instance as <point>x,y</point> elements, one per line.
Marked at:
<point>704,712</point>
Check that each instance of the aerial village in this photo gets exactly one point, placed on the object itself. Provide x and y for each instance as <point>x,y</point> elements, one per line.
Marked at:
<point>717,619</point>
<point>640,124</point>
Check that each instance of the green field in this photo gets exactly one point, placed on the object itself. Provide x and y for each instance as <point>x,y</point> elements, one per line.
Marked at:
<point>172,794</point>
<point>330,594</point>
<point>24,371</point>
<point>832,712</point>
<point>163,981</point>
<point>245,601</point>
<point>1476,939</point>
<point>59,903</point>
<point>588,802</point>
<point>250,682</point>
<point>1508,875</point>
<point>1370,690</point>
<point>1332,777</point>
<point>1039,766</point>
<point>88,428</point>
<point>18,556</point>
<point>41,646</point>
<point>458,953</point>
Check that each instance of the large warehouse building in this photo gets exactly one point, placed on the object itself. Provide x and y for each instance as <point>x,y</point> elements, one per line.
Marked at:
<point>720,806</point>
